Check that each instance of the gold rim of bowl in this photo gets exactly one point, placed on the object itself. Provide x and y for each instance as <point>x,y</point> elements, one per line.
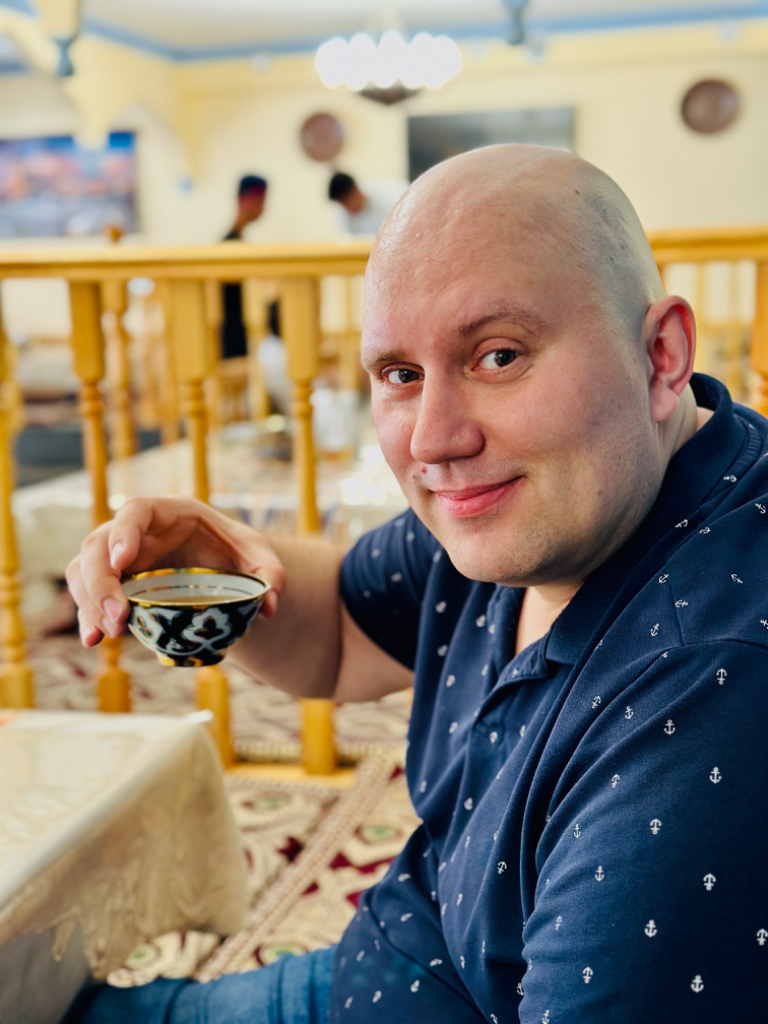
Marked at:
<point>143,602</point>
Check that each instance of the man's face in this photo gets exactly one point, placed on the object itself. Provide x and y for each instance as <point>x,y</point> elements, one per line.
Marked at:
<point>354,200</point>
<point>251,206</point>
<point>513,413</point>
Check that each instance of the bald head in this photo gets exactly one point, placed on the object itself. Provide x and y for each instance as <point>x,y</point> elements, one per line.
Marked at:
<point>551,205</point>
<point>529,377</point>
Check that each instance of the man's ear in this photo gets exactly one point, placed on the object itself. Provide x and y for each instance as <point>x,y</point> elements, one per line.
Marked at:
<point>669,333</point>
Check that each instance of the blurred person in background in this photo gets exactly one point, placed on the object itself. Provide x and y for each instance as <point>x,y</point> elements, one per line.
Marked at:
<point>251,196</point>
<point>363,211</point>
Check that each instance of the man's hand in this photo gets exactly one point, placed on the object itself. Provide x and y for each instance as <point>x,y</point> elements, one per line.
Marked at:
<point>311,648</point>
<point>150,533</point>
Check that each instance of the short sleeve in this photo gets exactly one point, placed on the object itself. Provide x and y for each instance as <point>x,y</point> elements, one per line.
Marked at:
<point>652,893</point>
<point>383,579</point>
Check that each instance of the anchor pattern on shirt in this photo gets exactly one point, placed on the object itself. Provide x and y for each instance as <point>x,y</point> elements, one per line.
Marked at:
<point>664,707</point>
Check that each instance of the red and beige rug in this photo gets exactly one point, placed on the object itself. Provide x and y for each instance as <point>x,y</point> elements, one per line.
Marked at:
<point>310,849</point>
<point>265,721</point>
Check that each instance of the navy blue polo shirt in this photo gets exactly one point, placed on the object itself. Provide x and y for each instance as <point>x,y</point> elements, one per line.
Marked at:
<point>595,809</point>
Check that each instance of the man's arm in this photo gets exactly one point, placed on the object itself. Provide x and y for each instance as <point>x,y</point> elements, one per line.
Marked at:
<point>312,647</point>
<point>304,642</point>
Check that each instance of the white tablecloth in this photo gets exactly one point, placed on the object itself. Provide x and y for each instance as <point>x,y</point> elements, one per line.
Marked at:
<point>113,829</point>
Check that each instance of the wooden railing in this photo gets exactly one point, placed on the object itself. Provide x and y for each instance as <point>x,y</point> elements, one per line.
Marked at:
<point>188,284</point>
<point>187,289</point>
<point>723,272</point>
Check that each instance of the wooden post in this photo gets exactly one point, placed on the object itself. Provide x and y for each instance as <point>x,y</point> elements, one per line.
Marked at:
<point>733,375</point>
<point>113,304</point>
<point>759,352</point>
<point>255,319</point>
<point>702,362</point>
<point>16,689</point>
<point>349,354</point>
<point>299,310</point>
<point>193,359</point>
<point>169,398</point>
<point>214,392</point>
<point>88,342</point>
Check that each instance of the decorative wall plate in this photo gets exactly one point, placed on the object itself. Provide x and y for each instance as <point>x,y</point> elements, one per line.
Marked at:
<point>322,136</point>
<point>710,106</point>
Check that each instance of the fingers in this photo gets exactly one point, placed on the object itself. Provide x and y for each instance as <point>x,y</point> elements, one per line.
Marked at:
<point>89,634</point>
<point>170,531</point>
<point>95,586</point>
<point>126,532</point>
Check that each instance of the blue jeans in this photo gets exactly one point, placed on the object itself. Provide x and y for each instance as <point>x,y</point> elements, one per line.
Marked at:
<point>294,990</point>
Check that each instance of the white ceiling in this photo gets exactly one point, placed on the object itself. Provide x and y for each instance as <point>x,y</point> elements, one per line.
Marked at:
<point>187,28</point>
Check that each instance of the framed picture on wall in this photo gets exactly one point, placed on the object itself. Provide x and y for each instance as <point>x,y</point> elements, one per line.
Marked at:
<point>55,187</point>
<point>437,137</point>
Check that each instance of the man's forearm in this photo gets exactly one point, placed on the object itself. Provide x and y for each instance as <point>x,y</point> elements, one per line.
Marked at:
<point>299,650</point>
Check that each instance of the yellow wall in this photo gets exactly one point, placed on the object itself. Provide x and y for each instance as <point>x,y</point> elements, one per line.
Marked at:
<point>211,122</point>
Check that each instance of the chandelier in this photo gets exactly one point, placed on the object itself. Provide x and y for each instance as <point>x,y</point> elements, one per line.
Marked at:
<point>426,60</point>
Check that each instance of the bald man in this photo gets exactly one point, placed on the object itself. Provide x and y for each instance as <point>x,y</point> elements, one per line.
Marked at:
<point>578,596</point>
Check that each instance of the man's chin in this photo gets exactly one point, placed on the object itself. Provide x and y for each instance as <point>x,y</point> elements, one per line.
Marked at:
<point>484,560</point>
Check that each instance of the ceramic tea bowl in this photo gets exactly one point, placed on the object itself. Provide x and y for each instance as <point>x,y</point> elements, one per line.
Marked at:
<point>189,617</point>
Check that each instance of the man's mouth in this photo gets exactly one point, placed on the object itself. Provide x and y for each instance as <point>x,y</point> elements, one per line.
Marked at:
<point>474,501</point>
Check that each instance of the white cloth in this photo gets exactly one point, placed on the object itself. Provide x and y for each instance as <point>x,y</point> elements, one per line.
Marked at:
<point>113,829</point>
<point>273,360</point>
<point>381,197</point>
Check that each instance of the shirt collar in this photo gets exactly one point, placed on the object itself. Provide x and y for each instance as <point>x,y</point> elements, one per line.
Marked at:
<point>691,475</point>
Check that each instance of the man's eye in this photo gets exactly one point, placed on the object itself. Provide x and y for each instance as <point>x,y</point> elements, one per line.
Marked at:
<point>400,376</point>
<point>499,358</point>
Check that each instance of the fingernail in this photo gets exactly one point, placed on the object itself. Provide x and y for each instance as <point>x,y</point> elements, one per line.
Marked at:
<point>109,628</point>
<point>87,633</point>
<point>112,608</point>
<point>117,549</point>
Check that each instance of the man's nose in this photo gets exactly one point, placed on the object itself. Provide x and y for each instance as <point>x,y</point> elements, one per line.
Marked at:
<point>445,428</point>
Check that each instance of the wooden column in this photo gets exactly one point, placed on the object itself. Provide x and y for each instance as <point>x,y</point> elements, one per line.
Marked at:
<point>760,336</point>
<point>214,393</point>
<point>88,342</point>
<point>299,311</point>
<point>255,319</point>
<point>193,361</point>
<point>733,373</point>
<point>168,385</point>
<point>16,689</point>
<point>113,304</point>
<point>349,354</point>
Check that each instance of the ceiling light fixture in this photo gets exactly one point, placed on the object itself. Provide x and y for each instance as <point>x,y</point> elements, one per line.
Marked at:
<point>427,60</point>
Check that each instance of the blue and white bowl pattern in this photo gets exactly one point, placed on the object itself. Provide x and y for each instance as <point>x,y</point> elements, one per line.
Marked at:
<point>166,616</point>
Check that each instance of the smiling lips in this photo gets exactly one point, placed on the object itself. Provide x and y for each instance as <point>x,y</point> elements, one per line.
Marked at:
<point>474,501</point>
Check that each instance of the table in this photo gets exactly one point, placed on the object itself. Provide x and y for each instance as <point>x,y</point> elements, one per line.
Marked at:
<point>113,829</point>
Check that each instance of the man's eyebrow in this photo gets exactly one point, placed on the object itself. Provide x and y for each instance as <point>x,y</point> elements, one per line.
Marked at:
<point>510,312</point>
<point>393,355</point>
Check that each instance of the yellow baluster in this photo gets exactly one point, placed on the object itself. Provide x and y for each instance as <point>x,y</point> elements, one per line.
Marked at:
<point>113,682</point>
<point>169,397</point>
<point>349,355</point>
<point>16,689</point>
<point>733,375</point>
<point>299,311</point>
<point>214,392</point>
<point>113,303</point>
<point>193,359</point>
<point>759,351</point>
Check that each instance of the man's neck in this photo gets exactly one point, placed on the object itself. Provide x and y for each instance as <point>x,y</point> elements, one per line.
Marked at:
<point>542,605</point>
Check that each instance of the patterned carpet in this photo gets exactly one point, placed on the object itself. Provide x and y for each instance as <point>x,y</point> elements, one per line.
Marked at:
<point>311,851</point>
<point>265,721</point>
